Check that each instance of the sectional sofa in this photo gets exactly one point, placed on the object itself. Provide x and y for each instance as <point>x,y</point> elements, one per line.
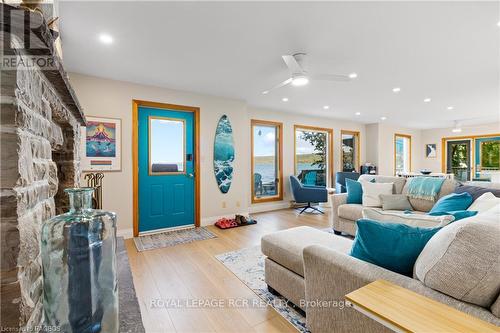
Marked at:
<point>344,215</point>
<point>459,267</point>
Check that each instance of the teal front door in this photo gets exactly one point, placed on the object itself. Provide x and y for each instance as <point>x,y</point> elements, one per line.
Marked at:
<point>166,169</point>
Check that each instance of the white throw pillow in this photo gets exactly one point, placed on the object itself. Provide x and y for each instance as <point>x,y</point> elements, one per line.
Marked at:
<point>414,220</point>
<point>371,192</point>
<point>485,202</point>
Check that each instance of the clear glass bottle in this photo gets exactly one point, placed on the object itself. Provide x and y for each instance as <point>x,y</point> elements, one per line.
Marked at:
<point>79,268</point>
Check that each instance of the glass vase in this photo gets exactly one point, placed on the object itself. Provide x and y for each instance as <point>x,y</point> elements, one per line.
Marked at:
<point>80,292</point>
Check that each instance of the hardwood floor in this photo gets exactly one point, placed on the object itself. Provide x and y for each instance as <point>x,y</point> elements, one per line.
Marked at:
<point>191,272</point>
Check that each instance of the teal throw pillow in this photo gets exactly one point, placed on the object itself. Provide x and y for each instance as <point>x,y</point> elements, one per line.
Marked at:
<point>459,214</point>
<point>392,246</point>
<point>452,202</point>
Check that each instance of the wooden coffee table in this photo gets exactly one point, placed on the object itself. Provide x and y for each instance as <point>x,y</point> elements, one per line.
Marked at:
<point>403,310</point>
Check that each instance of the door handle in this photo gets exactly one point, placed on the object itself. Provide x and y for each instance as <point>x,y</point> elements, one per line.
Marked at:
<point>190,175</point>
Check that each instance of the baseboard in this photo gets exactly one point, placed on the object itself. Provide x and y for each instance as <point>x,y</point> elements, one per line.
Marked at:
<point>125,233</point>
<point>212,219</point>
<point>267,207</point>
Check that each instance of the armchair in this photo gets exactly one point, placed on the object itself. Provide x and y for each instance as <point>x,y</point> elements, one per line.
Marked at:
<point>304,194</point>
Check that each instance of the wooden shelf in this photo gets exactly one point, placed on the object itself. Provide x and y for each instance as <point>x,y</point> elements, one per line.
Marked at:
<point>403,310</point>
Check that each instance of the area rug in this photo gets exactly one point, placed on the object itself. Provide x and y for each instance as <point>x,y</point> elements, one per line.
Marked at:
<point>171,238</point>
<point>248,266</point>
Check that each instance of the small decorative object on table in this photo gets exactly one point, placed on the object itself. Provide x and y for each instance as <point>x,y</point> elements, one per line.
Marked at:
<point>94,180</point>
<point>79,268</point>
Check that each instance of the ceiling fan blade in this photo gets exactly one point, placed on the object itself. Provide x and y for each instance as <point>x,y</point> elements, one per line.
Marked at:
<point>282,84</point>
<point>331,77</point>
<point>292,64</point>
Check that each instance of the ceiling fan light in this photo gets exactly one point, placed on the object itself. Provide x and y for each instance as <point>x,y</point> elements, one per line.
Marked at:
<point>299,81</point>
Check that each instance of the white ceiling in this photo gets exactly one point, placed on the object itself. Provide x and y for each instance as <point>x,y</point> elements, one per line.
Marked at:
<point>448,51</point>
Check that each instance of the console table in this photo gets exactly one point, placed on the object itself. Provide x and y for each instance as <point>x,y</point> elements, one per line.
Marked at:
<point>403,310</point>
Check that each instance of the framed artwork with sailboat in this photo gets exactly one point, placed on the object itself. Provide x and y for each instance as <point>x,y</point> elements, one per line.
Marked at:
<point>101,144</point>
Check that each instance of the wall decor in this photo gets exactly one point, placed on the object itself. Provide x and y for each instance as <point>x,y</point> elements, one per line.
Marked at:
<point>224,154</point>
<point>101,144</point>
<point>430,150</point>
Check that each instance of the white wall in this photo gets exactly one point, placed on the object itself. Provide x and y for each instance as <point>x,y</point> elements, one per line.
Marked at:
<point>435,136</point>
<point>381,146</point>
<point>289,120</point>
<point>109,98</point>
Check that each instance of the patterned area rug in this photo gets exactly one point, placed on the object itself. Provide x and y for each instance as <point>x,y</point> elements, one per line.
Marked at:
<point>171,238</point>
<point>248,265</point>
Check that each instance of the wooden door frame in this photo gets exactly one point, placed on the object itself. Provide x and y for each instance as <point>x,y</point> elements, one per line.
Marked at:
<point>472,139</point>
<point>329,131</point>
<point>135,155</point>
<point>358,148</point>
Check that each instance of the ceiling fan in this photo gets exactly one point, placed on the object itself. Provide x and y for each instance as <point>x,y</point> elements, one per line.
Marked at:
<point>300,77</point>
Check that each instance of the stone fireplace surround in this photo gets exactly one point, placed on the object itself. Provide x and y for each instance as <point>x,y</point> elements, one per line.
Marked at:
<point>40,123</point>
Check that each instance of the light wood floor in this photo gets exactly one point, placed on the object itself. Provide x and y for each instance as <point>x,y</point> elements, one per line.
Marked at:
<point>190,271</point>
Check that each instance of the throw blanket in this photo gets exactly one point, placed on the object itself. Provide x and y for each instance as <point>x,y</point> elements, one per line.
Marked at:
<point>426,188</point>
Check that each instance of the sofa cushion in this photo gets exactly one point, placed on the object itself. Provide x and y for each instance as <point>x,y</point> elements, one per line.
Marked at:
<point>485,202</point>
<point>495,307</point>
<point>426,205</point>
<point>399,182</point>
<point>395,202</point>
<point>463,260</point>
<point>285,247</point>
<point>350,211</point>
<point>416,219</point>
<point>393,246</point>
<point>372,192</point>
<point>477,191</point>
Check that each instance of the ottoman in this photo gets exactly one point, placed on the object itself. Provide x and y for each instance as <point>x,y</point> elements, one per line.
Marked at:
<point>284,265</point>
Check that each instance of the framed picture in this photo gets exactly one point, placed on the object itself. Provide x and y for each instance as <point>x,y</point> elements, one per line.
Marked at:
<point>101,144</point>
<point>430,150</point>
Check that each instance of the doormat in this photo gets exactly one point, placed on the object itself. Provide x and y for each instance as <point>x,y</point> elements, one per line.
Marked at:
<point>171,238</point>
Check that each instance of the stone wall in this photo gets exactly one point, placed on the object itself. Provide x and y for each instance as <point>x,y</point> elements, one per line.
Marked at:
<point>39,158</point>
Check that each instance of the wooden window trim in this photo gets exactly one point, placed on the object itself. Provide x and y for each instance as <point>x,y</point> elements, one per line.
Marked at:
<point>358,149</point>
<point>396,135</point>
<point>279,126</point>
<point>330,148</point>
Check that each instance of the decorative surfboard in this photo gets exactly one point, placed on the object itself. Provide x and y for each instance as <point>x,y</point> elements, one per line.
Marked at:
<point>224,154</point>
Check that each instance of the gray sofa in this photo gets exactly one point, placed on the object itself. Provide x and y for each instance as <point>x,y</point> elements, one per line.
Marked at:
<point>312,268</point>
<point>344,215</point>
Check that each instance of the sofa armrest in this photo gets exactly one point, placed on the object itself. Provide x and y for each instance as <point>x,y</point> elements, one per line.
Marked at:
<point>338,199</point>
<point>330,275</point>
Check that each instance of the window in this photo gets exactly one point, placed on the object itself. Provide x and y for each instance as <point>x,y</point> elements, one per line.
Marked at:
<point>402,153</point>
<point>313,155</point>
<point>266,161</point>
<point>170,158</point>
<point>350,151</point>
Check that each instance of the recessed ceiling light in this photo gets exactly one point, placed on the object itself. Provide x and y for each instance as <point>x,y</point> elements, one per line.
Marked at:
<point>383,118</point>
<point>326,107</point>
<point>456,130</point>
<point>300,80</point>
<point>358,113</point>
<point>284,99</point>
<point>396,90</point>
<point>265,92</point>
<point>427,100</point>
<point>450,107</point>
<point>105,39</point>
<point>498,24</point>
<point>353,75</point>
